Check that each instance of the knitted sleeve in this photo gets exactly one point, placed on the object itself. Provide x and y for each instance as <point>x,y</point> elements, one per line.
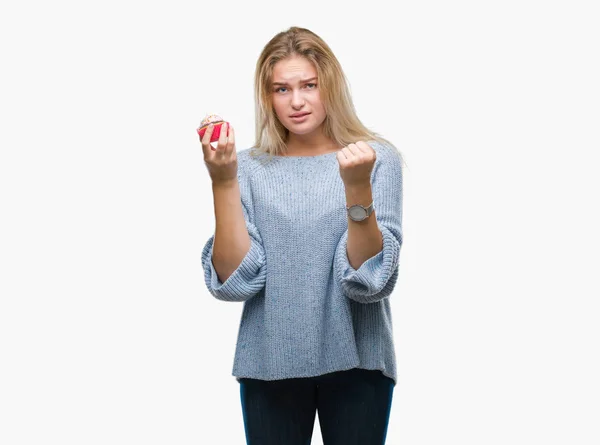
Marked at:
<point>376,277</point>
<point>250,276</point>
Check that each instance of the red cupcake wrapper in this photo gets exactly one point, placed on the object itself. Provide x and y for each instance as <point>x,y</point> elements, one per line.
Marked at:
<point>214,137</point>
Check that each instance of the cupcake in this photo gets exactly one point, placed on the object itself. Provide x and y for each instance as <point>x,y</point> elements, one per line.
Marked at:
<point>214,119</point>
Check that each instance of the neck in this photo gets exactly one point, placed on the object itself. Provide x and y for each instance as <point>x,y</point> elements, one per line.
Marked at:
<point>307,144</point>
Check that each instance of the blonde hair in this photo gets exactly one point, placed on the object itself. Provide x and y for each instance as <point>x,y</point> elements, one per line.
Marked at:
<point>341,124</point>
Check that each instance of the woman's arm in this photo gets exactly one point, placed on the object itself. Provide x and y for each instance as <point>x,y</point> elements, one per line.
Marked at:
<point>234,260</point>
<point>375,277</point>
<point>231,242</point>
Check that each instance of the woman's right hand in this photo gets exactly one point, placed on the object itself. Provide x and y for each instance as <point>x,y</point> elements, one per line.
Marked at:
<point>222,161</point>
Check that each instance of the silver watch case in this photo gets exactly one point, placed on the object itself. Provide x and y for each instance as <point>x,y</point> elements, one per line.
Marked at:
<point>358,212</point>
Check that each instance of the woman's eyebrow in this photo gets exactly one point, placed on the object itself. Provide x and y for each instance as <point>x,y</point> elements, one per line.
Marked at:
<point>284,83</point>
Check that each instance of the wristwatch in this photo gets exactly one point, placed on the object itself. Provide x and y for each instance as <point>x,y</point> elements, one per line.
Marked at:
<point>358,212</point>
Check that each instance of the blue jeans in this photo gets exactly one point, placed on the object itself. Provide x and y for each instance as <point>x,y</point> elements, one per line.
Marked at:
<point>353,406</point>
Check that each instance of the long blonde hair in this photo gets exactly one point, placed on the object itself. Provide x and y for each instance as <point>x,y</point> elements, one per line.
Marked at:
<point>341,123</point>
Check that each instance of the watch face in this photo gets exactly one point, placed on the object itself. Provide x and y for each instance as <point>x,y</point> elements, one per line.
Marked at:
<point>357,213</point>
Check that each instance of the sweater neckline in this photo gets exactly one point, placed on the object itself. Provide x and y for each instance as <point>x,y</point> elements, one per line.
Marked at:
<point>323,155</point>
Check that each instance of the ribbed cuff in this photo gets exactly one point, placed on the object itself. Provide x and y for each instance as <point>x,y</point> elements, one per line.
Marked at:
<point>245,281</point>
<point>376,277</point>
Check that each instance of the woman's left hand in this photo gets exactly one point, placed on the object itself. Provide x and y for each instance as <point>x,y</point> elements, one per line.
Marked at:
<point>356,164</point>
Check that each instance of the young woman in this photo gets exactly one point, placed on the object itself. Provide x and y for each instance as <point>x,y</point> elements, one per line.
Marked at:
<point>308,235</point>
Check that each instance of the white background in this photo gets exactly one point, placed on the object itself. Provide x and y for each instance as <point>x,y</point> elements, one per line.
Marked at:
<point>108,334</point>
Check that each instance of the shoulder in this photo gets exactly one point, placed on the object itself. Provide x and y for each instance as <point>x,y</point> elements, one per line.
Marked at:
<point>250,155</point>
<point>386,153</point>
<point>245,160</point>
<point>243,156</point>
<point>250,162</point>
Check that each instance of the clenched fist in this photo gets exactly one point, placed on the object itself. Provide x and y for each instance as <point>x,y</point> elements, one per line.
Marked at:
<point>356,163</point>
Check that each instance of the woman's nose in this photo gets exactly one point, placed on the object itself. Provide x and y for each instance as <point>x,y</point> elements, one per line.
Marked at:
<point>297,99</point>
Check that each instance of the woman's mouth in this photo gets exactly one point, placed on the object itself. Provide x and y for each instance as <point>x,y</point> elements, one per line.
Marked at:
<point>300,118</point>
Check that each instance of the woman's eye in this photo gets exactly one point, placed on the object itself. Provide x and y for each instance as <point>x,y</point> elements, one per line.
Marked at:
<point>284,88</point>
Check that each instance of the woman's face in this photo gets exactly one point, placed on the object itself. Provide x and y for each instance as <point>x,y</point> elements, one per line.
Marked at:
<point>295,90</point>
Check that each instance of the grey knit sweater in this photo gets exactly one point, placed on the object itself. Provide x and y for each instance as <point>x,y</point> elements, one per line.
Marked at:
<point>307,311</point>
